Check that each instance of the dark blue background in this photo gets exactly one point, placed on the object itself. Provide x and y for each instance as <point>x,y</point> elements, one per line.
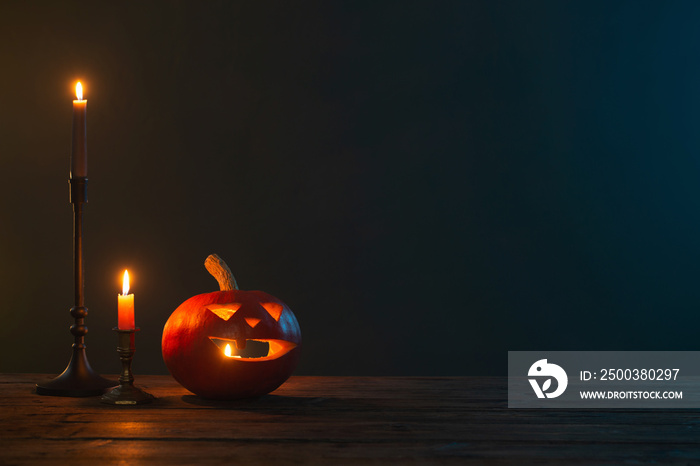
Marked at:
<point>426,184</point>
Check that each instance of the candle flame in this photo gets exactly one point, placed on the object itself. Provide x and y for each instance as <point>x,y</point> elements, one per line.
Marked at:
<point>227,350</point>
<point>125,284</point>
<point>79,91</point>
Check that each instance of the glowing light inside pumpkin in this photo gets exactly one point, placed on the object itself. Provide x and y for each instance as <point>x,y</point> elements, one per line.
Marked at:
<point>227,352</point>
<point>79,91</point>
<point>125,283</point>
<point>253,350</point>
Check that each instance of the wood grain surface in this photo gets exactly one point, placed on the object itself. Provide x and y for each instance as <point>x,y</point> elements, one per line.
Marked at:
<point>334,420</point>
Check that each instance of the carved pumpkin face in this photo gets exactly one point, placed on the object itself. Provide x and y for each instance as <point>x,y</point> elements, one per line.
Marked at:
<point>231,344</point>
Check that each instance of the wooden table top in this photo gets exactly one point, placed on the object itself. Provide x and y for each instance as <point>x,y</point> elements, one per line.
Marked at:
<point>334,420</point>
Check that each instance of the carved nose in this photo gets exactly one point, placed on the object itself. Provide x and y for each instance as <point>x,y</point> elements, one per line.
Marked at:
<point>252,321</point>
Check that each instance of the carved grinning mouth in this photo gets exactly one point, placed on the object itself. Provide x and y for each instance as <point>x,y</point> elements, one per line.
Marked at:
<point>253,350</point>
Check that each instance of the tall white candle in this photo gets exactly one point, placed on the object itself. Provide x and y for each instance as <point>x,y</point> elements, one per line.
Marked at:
<point>78,165</point>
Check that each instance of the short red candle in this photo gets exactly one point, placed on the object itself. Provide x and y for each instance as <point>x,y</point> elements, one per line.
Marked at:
<point>125,306</point>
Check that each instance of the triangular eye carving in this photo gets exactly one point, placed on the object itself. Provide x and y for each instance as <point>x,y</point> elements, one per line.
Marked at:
<point>274,309</point>
<point>224,311</point>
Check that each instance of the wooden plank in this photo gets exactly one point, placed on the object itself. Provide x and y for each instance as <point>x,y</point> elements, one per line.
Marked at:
<point>107,451</point>
<point>334,420</point>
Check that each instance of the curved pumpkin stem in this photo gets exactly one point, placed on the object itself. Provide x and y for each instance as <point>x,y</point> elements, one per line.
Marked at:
<point>219,270</point>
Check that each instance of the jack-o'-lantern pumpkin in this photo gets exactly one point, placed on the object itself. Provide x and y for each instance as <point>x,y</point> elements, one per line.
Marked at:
<point>231,343</point>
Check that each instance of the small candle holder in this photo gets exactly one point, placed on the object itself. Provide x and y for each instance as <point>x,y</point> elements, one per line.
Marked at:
<point>126,393</point>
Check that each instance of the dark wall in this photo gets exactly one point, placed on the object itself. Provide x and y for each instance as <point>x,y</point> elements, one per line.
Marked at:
<point>426,184</point>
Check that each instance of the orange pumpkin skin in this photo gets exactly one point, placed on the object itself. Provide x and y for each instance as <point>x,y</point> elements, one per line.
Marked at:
<point>199,364</point>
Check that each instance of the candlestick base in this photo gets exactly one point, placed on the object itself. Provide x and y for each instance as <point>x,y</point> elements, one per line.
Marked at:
<point>126,393</point>
<point>77,380</point>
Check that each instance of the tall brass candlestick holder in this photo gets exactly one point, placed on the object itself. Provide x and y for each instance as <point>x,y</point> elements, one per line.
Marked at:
<point>126,393</point>
<point>78,379</point>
